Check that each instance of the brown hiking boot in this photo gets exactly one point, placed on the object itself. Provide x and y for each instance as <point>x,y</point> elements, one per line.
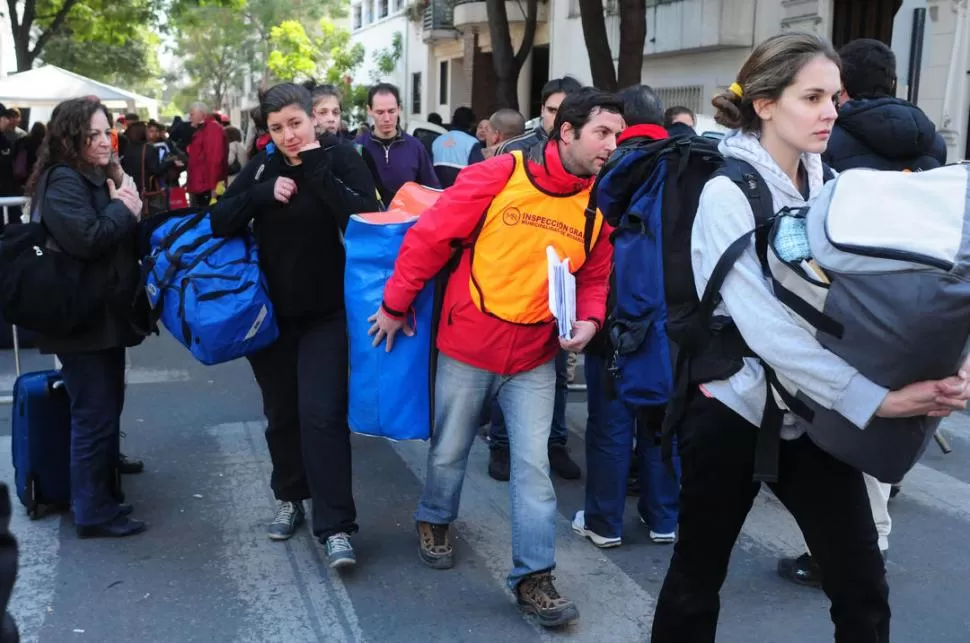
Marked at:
<point>537,595</point>
<point>435,546</point>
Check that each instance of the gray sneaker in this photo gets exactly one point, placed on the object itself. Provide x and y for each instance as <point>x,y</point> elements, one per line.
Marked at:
<point>340,553</point>
<point>289,516</point>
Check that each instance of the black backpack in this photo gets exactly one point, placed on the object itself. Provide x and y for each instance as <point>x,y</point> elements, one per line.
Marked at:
<point>648,192</point>
<point>661,337</point>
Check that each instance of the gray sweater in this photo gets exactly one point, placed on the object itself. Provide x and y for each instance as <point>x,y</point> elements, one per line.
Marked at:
<point>800,362</point>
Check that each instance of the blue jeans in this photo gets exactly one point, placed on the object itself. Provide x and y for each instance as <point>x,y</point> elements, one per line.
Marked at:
<point>610,430</point>
<point>461,393</point>
<point>95,384</point>
<point>498,434</point>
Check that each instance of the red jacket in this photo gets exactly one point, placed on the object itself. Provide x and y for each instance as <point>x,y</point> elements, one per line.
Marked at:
<point>208,157</point>
<point>465,333</point>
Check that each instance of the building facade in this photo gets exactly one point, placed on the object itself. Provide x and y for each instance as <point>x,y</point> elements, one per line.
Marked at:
<point>446,58</point>
<point>693,48</point>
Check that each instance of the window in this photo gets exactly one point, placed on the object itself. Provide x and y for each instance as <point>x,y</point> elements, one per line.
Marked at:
<point>398,5</point>
<point>443,82</point>
<point>381,9</point>
<point>358,16</point>
<point>690,96</point>
<point>416,93</point>
<point>368,12</point>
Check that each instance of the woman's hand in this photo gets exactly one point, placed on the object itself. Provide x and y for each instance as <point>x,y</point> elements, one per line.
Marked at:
<point>127,195</point>
<point>284,189</point>
<point>936,398</point>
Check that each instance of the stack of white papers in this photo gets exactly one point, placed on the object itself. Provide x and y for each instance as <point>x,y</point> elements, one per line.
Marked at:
<point>562,293</point>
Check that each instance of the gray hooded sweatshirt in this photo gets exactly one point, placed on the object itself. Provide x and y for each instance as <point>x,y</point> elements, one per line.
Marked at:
<point>770,331</point>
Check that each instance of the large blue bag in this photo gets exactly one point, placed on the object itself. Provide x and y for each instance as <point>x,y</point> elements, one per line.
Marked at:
<point>390,393</point>
<point>208,291</point>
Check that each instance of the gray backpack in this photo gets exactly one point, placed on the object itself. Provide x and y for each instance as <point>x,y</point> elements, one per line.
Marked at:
<point>878,269</point>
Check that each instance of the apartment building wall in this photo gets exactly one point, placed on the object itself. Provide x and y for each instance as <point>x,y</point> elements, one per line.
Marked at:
<point>375,31</point>
<point>695,47</point>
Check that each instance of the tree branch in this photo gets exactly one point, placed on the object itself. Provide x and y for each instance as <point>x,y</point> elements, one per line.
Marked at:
<point>29,11</point>
<point>528,38</point>
<point>12,9</point>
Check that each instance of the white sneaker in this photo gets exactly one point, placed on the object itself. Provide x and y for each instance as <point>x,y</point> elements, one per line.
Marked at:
<point>579,526</point>
<point>660,539</point>
<point>663,539</point>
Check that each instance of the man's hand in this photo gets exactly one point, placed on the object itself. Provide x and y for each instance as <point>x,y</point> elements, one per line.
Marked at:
<point>284,189</point>
<point>383,325</point>
<point>583,333</point>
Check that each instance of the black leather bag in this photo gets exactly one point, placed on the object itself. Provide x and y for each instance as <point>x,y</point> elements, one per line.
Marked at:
<point>43,289</point>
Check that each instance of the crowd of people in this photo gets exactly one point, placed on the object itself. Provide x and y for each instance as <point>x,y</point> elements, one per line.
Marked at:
<point>508,194</point>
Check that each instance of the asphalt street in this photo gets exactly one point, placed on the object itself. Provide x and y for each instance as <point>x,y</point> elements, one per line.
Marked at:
<point>205,571</point>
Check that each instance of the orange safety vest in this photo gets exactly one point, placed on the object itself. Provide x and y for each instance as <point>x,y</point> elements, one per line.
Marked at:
<point>509,269</point>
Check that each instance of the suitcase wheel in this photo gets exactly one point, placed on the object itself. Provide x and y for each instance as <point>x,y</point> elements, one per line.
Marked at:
<point>33,506</point>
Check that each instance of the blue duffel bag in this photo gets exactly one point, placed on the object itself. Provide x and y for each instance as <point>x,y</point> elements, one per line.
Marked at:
<point>390,393</point>
<point>208,291</point>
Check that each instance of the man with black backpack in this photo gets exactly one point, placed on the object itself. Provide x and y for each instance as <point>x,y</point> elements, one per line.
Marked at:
<point>874,130</point>
<point>613,424</point>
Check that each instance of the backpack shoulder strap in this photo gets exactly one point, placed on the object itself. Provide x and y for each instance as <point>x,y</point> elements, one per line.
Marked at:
<point>827,172</point>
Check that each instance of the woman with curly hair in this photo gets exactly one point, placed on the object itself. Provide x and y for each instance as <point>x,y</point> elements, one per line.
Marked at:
<point>90,209</point>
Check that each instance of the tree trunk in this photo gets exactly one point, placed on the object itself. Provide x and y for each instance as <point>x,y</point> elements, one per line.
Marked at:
<point>633,36</point>
<point>592,16</point>
<point>507,63</point>
<point>21,30</point>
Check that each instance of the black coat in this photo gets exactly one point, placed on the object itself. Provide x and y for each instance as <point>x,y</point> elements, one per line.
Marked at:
<point>85,223</point>
<point>884,134</point>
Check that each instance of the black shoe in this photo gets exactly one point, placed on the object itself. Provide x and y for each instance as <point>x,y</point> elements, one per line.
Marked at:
<point>130,466</point>
<point>562,464</point>
<point>802,570</point>
<point>117,528</point>
<point>633,487</point>
<point>125,509</point>
<point>498,462</point>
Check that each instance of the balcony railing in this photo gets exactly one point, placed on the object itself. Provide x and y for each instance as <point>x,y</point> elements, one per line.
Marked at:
<point>438,15</point>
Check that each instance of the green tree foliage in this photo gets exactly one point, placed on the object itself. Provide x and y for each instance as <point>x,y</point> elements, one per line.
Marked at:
<point>327,53</point>
<point>294,55</point>
<point>34,24</point>
<point>217,49</point>
<point>132,64</point>
<point>207,29</point>
<point>385,60</point>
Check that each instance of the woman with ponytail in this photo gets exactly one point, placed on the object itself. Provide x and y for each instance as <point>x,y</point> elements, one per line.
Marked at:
<point>782,107</point>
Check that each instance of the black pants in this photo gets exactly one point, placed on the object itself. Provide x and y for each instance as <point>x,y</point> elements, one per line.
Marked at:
<point>96,387</point>
<point>201,199</point>
<point>827,498</point>
<point>303,378</point>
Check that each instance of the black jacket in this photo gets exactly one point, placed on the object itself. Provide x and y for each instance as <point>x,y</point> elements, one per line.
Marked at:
<point>301,253</point>
<point>87,224</point>
<point>884,134</point>
<point>145,155</point>
<point>680,130</point>
<point>524,142</point>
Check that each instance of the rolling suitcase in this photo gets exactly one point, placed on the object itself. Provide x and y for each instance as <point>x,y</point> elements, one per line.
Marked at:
<point>41,441</point>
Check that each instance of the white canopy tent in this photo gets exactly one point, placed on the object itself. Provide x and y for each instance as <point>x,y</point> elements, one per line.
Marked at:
<point>42,88</point>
